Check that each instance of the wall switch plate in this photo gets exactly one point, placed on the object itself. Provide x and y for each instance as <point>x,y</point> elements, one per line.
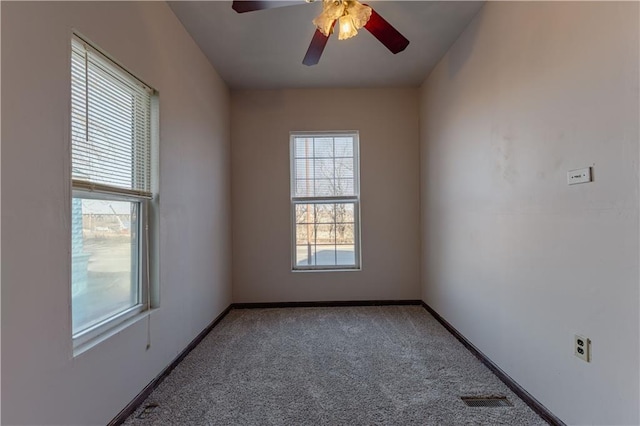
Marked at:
<point>579,176</point>
<point>582,348</point>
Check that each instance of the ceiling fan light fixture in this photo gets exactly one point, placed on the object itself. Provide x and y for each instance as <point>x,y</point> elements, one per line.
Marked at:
<point>347,28</point>
<point>331,11</point>
<point>359,13</point>
<point>351,14</point>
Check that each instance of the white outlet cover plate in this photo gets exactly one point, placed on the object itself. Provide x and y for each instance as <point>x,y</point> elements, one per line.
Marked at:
<point>586,348</point>
<point>579,176</point>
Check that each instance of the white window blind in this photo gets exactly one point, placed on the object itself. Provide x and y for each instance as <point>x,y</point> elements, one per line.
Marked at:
<point>324,166</point>
<point>110,126</point>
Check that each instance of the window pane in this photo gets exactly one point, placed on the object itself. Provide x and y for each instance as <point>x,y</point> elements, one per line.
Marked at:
<point>344,233</point>
<point>305,255</point>
<point>323,147</point>
<point>323,168</point>
<point>344,213</point>
<point>105,260</point>
<point>346,255</point>
<point>304,188</point>
<point>304,168</point>
<point>110,123</point>
<point>344,187</point>
<point>325,234</point>
<point>324,188</point>
<point>305,234</point>
<point>325,213</point>
<point>305,213</point>
<point>344,147</point>
<point>325,255</point>
<point>344,168</point>
<point>303,147</point>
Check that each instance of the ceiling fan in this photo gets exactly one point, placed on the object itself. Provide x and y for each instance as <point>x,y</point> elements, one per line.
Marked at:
<point>351,15</point>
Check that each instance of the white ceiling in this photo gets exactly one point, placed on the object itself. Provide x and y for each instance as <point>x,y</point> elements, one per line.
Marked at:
<point>264,49</point>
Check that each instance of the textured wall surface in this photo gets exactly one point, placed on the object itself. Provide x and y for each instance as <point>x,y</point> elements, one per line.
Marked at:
<point>42,383</point>
<point>387,120</point>
<point>513,257</point>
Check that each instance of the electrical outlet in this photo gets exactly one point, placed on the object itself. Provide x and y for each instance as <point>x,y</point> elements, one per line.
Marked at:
<point>582,348</point>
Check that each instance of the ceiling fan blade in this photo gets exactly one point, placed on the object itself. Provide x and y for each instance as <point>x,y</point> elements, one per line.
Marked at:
<point>250,6</point>
<point>385,33</point>
<point>318,42</point>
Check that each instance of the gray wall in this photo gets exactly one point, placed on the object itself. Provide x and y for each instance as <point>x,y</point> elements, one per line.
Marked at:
<point>42,383</point>
<point>513,257</point>
<point>387,120</point>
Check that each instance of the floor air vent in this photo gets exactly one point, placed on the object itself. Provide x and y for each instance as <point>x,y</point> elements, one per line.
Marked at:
<point>486,401</point>
<point>147,410</point>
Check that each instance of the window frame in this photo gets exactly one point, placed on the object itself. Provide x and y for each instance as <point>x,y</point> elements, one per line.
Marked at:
<point>147,205</point>
<point>90,333</point>
<point>349,199</point>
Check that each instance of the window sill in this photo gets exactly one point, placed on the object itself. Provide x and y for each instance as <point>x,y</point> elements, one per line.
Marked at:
<point>89,344</point>
<point>327,270</point>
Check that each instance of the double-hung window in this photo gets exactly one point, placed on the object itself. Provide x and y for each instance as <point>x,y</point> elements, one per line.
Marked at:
<point>325,200</point>
<point>112,122</point>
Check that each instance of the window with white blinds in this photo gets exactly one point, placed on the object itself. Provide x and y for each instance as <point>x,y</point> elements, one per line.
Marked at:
<point>113,124</point>
<point>325,199</point>
<point>110,125</point>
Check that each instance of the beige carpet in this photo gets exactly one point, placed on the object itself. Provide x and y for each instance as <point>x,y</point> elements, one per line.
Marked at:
<point>389,365</point>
